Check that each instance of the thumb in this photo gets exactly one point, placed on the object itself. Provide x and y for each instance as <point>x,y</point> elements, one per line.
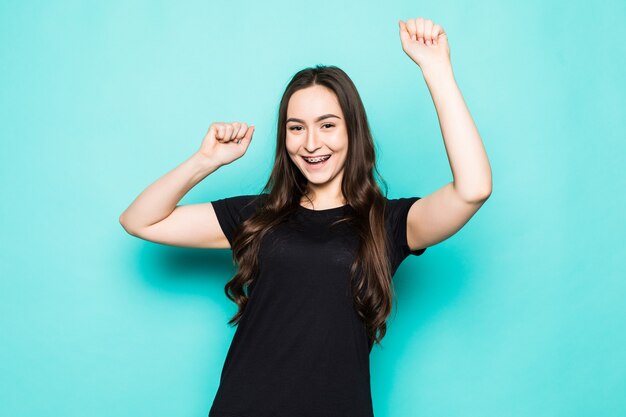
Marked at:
<point>249,133</point>
<point>404,33</point>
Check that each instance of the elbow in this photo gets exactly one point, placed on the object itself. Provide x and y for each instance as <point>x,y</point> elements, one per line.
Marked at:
<point>126,226</point>
<point>484,194</point>
<point>474,196</point>
<point>480,196</point>
<point>122,221</point>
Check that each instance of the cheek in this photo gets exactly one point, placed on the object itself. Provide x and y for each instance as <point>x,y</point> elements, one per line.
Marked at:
<point>340,144</point>
<point>292,147</point>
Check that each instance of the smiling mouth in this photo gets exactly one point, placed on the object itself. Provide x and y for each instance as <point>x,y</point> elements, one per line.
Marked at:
<point>316,160</point>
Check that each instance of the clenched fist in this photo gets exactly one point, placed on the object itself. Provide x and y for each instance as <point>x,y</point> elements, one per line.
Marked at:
<point>226,142</point>
<point>425,42</point>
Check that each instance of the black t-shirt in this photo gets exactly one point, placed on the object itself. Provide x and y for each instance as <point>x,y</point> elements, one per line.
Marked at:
<point>300,349</point>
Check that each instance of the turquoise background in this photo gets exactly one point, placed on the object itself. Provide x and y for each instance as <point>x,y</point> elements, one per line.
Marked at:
<point>521,313</point>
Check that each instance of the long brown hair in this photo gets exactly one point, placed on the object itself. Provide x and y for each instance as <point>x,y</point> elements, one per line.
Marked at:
<point>371,270</point>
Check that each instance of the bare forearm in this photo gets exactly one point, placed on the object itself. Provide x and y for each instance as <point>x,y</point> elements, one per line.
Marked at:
<point>466,153</point>
<point>159,199</point>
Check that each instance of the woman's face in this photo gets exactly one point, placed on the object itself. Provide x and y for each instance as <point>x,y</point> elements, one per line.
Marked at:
<point>316,127</point>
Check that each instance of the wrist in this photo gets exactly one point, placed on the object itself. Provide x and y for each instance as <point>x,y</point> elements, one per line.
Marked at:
<point>435,72</point>
<point>203,164</point>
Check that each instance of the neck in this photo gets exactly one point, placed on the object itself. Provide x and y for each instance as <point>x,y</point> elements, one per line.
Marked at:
<point>321,200</point>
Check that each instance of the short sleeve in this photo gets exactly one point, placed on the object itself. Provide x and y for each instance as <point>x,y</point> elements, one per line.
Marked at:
<point>232,211</point>
<point>396,214</point>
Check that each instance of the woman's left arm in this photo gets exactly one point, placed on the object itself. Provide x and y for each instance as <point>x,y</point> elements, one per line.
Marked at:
<point>441,214</point>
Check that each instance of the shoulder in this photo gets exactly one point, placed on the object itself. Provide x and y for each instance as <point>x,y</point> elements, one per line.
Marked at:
<point>232,211</point>
<point>241,201</point>
<point>396,209</point>
<point>396,218</point>
<point>240,206</point>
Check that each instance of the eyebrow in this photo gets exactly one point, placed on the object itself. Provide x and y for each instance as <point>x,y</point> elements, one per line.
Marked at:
<point>325,116</point>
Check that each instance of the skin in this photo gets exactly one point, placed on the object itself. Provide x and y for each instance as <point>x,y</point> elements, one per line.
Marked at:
<point>312,137</point>
<point>156,215</point>
<point>444,212</point>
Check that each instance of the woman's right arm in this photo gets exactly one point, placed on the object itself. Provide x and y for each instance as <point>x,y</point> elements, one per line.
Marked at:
<point>155,216</point>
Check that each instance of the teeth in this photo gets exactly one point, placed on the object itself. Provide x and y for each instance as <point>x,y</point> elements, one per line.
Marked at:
<point>321,158</point>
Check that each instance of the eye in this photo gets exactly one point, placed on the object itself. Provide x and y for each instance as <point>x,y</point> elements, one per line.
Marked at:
<point>298,128</point>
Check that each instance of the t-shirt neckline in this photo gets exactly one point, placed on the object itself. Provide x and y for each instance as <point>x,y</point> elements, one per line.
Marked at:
<point>323,211</point>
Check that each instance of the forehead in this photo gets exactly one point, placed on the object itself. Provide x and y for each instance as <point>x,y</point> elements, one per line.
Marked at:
<point>311,102</point>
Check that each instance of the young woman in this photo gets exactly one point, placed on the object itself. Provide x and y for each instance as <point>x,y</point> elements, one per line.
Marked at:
<point>317,248</point>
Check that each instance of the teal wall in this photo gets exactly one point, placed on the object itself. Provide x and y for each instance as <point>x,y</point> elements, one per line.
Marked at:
<point>521,313</point>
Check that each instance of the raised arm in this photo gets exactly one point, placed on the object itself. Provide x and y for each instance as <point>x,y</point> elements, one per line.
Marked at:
<point>441,214</point>
<point>155,216</point>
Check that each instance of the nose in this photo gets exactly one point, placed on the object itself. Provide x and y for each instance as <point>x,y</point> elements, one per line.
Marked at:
<point>311,144</point>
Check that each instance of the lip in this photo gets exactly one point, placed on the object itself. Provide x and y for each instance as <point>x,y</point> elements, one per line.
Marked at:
<point>317,166</point>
